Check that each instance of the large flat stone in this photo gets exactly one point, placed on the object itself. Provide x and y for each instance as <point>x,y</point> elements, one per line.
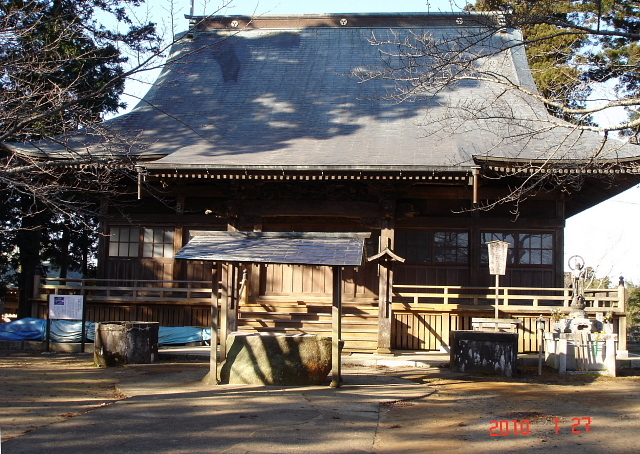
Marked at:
<point>276,359</point>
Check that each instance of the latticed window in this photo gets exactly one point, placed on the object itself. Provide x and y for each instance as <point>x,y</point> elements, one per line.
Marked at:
<point>433,247</point>
<point>140,242</point>
<point>535,249</point>
<point>525,249</point>
<point>414,246</point>
<point>451,247</point>
<point>124,241</point>
<point>157,243</point>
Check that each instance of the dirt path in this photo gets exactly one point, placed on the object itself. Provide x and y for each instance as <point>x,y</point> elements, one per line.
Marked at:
<point>459,417</point>
<point>38,390</point>
<point>559,414</point>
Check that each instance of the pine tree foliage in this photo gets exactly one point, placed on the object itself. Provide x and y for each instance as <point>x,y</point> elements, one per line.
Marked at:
<point>61,69</point>
<point>575,48</point>
<point>633,306</point>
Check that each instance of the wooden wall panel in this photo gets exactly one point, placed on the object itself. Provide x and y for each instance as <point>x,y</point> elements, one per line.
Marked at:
<point>422,330</point>
<point>522,277</point>
<point>198,270</point>
<point>308,280</point>
<point>418,331</point>
<point>110,313</point>
<point>201,316</point>
<point>131,270</point>
<point>166,314</point>
<point>430,275</point>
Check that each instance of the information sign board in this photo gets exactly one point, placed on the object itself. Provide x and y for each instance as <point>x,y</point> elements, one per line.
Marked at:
<point>65,307</point>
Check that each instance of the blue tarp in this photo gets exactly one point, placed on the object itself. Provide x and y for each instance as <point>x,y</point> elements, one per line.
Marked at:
<point>34,329</point>
<point>23,329</point>
<point>71,331</point>
<point>168,335</point>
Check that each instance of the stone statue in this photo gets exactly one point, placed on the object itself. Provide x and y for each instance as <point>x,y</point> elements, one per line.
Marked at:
<point>577,283</point>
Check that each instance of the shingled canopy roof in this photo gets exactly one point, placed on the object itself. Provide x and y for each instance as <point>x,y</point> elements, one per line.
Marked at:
<point>278,94</point>
<point>297,248</point>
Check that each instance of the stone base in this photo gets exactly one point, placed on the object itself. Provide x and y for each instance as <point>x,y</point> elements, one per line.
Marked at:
<point>484,352</point>
<point>276,359</point>
<point>119,343</point>
<point>581,352</point>
<point>41,346</point>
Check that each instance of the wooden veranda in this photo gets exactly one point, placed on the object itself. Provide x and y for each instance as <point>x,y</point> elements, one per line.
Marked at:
<point>422,316</point>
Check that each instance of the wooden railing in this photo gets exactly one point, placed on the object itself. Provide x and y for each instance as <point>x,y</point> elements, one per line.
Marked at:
<point>112,290</point>
<point>425,315</point>
<point>511,298</point>
<point>171,303</point>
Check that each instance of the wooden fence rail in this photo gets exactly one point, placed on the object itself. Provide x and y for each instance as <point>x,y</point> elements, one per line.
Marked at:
<point>171,303</point>
<point>423,315</point>
<point>440,297</point>
<point>111,290</point>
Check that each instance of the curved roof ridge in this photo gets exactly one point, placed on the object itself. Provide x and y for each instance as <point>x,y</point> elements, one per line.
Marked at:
<point>459,19</point>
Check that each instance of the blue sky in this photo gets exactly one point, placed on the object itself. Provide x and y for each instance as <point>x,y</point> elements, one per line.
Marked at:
<point>605,236</point>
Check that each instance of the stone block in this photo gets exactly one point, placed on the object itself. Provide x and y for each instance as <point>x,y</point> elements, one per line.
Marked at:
<point>276,359</point>
<point>484,352</point>
<point>119,343</point>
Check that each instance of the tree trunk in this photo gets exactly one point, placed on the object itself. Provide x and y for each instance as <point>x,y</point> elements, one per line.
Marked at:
<point>29,244</point>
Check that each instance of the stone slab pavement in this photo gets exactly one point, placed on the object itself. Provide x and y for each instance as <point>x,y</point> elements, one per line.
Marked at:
<point>179,413</point>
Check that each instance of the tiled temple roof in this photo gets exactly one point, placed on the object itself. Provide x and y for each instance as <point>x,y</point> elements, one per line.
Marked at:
<point>281,92</point>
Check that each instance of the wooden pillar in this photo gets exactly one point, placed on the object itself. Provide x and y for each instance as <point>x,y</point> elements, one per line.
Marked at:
<point>254,277</point>
<point>239,287</point>
<point>384,308</point>
<point>227,294</point>
<point>212,377</point>
<point>475,246</point>
<point>622,320</point>
<point>179,266</point>
<point>37,283</point>
<point>103,253</point>
<point>385,289</point>
<point>226,297</point>
<point>560,201</point>
<point>446,332</point>
<point>336,325</point>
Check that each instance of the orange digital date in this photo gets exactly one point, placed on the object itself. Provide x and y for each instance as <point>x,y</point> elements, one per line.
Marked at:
<point>523,427</point>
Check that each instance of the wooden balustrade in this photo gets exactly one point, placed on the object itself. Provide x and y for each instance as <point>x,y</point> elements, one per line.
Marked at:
<point>423,315</point>
<point>112,290</point>
<point>441,297</point>
<point>171,303</point>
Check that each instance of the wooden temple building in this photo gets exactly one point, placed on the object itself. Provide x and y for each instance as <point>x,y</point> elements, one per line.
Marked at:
<point>267,125</point>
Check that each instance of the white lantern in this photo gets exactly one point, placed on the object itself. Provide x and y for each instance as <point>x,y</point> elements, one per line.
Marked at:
<point>498,257</point>
<point>497,266</point>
